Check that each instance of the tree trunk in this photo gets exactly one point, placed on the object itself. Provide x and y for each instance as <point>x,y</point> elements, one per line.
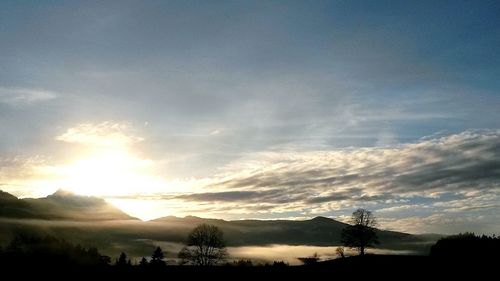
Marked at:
<point>362,251</point>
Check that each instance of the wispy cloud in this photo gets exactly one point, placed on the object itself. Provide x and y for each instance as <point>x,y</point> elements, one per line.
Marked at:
<point>25,96</point>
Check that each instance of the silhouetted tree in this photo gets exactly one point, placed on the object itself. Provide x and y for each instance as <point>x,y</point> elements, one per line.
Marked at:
<point>361,233</point>
<point>105,260</point>
<point>205,246</point>
<point>122,261</point>
<point>157,257</point>
<point>466,246</point>
<point>50,252</point>
<point>242,263</point>
<point>280,264</point>
<point>143,262</point>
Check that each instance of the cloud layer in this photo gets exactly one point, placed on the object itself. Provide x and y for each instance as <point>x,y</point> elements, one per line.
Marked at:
<point>453,174</point>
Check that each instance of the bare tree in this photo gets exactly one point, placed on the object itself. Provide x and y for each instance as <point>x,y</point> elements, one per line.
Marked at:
<point>361,233</point>
<point>205,246</point>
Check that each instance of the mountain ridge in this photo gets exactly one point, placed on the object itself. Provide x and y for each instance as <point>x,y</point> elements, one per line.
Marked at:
<point>91,220</point>
<point>60,205</point>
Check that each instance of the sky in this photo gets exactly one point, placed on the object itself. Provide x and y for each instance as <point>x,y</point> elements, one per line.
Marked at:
<point>257,109</point>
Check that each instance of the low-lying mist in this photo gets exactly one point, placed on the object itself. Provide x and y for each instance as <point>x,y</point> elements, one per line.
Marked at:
<point>138,239</point>
<point>291,253</point>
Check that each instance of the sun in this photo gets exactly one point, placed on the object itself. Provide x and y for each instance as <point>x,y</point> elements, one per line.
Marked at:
<point>109,173</point>
<point>106,160</point>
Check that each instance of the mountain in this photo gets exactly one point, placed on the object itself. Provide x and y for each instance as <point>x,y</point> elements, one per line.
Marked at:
<point>62,205</point>
<point>91,221</point>
<point>319,231</point>
<point>6,196</point>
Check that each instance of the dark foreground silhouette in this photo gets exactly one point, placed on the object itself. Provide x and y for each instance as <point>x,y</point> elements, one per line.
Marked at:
<point>460,255</point>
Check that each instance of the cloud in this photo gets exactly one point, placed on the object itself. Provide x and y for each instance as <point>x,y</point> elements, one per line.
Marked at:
<point>19,166</point>
<point>24,96</point>
<point>230,196</point>
<point>103,134</point>
<point>452,175</point>
<point>442,223</point>
<point>466,161</point>
<point>272,196</point>
<point>19,174</point>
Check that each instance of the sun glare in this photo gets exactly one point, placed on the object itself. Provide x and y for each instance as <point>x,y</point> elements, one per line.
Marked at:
<point>105,163</point>
<point>109,173</point>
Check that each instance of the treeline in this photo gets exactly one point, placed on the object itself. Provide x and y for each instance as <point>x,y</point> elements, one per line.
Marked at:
<point>51,252</point>
<point>27,256</point>
<point>28,251</point>
<point>466,246</point>
<point>205,247</point>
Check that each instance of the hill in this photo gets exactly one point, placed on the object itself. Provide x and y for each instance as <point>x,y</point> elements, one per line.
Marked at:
<point>92,221</point>
<point>319,231</point>
<point>62,205</point>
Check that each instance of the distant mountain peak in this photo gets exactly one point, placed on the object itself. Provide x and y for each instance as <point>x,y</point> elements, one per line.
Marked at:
<point>321,218</point>
<point>69,198</point>
<point>188,218</point>
<point>62,204</point>
<point>7,196</point>
<point>63,193</point>
<point>192,217</point>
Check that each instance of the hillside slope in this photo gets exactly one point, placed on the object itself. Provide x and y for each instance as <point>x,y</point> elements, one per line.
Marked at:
<point>61,205</point>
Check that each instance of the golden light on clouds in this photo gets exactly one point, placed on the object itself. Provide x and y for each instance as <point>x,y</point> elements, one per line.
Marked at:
<point>107,166</point>
<point>103,160</point>
<point>108,134</point>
